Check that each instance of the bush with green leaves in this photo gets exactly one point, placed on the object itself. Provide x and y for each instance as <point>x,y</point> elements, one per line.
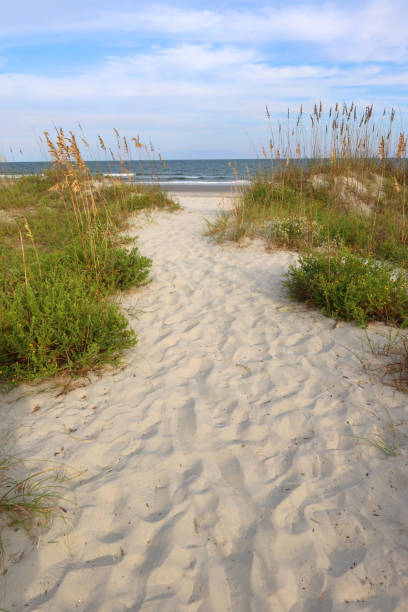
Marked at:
<point>115,267</point>
<point>347,286</point>
<point>295,232</point>
<point>60,321</point>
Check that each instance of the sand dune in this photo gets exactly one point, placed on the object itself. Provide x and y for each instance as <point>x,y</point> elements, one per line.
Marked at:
<point>221,468</point>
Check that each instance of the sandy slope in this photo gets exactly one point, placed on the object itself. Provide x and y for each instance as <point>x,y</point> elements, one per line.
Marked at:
<point>221,469</point>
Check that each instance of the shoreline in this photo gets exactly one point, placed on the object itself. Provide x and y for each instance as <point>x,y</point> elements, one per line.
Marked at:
<point>229,189</point>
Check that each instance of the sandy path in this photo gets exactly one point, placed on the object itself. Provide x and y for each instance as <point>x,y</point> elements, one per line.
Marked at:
<point>221,470</point>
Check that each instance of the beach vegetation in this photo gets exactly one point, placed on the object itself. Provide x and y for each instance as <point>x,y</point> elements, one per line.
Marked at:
<point>349,287</point>
<point>385,439</point>
<point>335,179</point>
<point>389,360</point>
<point>29,499</point>
<point>332,185</point>
<point>64,257</point>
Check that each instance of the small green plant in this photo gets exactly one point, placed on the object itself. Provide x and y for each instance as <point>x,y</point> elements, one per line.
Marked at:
<point>28,502</point>
<point>381,443</point>
<point>392,359</point>
<point>349,287</point>
<point>295,233</point>
<point>387,440</point>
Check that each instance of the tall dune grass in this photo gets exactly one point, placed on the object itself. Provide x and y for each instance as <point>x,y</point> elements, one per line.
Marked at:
<point>336,191</point>
<point>335,179</point>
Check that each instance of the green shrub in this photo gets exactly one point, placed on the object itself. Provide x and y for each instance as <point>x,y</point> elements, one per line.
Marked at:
<point>58,322</point>
<point>115,267</point>
<point>124,269</point>
<point>349,287</point>
<point>295,232</point>
<point>351,230</point>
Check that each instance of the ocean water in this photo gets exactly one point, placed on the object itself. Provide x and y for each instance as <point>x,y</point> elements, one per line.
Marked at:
<point>171,172</point>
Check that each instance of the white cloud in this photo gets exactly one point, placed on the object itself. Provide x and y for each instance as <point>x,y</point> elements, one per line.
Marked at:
<point>195,73</point>
<point>183,59</point>
<point>175,95</point>
<point>374,30</point>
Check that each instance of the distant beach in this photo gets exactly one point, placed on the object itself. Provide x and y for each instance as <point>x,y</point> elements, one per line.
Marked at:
<point>211,172</point>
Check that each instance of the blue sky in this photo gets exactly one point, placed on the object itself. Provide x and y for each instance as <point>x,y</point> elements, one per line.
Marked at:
<point>192,77</point>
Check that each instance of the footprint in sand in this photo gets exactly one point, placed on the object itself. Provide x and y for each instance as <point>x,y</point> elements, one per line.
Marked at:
<point>187,424</point>
<point>231,469</point>
<point>152,501</point>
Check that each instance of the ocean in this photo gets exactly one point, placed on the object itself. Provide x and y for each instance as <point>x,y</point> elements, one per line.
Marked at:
<point>221,172</point>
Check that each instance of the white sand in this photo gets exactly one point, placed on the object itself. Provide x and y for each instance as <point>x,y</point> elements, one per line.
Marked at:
<point>221,471</point>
